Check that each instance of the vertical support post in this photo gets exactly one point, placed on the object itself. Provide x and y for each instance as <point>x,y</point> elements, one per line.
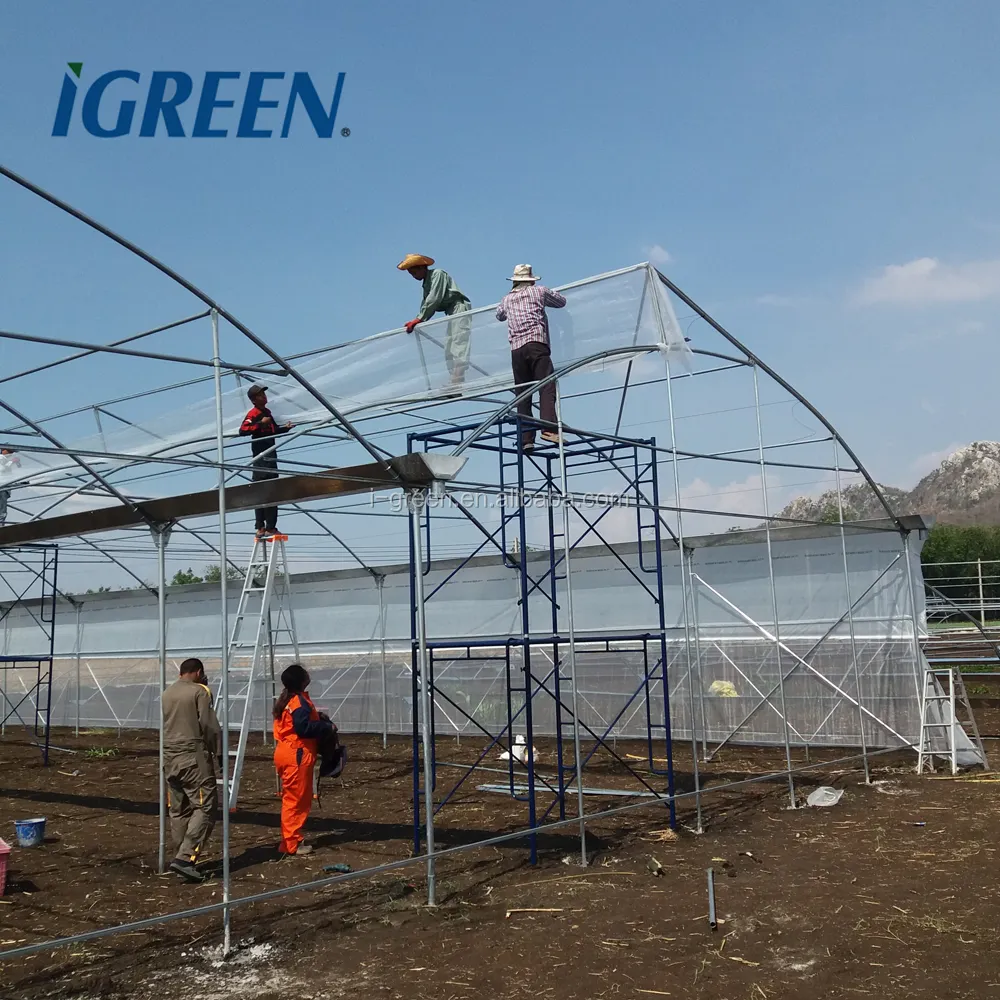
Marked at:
<point>953,720</point>
<point>79,653</point>
<point>161,535</point>
<point>774,589</point>
<point>379,582</point>
<point>527,709</point>
<point>982,602</point>
<point>52,645</point>
<point>417,502</point>
<point>850,614</point>
<point>696,618</point>
<point>571,629</point>
<point>684,576</point>
<point>918,656</point>
<point>220,446</point>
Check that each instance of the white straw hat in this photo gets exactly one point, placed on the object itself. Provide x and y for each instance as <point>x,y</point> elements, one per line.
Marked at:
<point>522,272</point>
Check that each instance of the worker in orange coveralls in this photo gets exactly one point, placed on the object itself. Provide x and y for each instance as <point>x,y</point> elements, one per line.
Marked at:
<point>298,730</point>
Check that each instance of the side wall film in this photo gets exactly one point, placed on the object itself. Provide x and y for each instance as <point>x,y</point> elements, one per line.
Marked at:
<point>351,629</point>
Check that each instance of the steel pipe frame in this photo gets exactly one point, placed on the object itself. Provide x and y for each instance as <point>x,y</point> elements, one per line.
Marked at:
<point>87,348</point>
<point>217,364</point>
<point>224,645</point>
<point>444,439</point>
<point>417,502</point>
<point>685,579</point>
<point>571,634</point>
<point>38,575</point>
<point>850,613</point>
<point>758,363</point>
<point>133,460</point>
<point>114,343</point>
<point>774,592</point>
<point>161,535</point>
<point>199,294</point>
<point>800,660</point>
<point>812,649</point>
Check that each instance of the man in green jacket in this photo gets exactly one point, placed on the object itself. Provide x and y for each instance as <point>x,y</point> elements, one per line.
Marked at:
<point>441,294</point>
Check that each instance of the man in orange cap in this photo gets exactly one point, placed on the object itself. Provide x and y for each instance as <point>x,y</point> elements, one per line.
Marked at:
<point>441,294</point>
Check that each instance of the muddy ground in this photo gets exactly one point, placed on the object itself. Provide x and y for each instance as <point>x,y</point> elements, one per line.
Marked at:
<point>888,894</point>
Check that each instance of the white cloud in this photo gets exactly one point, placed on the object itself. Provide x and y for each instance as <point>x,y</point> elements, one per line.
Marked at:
<point>927,281</point>
<point>659,255</point>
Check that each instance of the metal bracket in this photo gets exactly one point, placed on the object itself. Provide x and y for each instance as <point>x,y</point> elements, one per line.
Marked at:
<point>160,530</point>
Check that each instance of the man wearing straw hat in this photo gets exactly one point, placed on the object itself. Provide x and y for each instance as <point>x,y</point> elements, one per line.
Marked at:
<point>523,307</point>
<point>441,294</point>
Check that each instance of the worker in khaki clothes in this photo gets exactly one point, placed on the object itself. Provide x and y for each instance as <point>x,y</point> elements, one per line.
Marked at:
<point>192,742</point>
<point>441,294</point>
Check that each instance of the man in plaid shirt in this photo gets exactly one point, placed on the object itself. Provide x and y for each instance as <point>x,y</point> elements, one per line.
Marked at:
<point>523,307</point>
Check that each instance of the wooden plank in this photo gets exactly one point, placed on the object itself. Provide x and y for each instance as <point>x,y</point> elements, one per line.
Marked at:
<point>405,471</point>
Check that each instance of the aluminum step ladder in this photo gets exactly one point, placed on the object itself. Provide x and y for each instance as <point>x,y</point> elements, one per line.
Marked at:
<point>264,620</point>
<point>939,716</point>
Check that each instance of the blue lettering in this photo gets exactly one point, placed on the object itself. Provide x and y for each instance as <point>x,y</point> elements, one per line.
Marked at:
<point>157,103</point>
<point>208,103</point>
<point>252,103</point>
<point>92,105</point>
<point>67,98</point>
<point>302,88</point>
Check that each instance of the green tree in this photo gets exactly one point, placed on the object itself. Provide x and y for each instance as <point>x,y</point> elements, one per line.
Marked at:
<point>831,514</point>
<point>949,559</point>
<point>183,577</point>
<point>213,574</point>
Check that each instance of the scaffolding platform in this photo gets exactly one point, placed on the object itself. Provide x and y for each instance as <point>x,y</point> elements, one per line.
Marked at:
<point>28,578</point>
<point>535,541</point>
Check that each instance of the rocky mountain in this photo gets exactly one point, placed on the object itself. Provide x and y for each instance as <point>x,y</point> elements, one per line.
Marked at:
<point>963,489</point>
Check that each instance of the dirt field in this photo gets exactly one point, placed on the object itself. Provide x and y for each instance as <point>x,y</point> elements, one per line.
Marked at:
<point>888,894</point>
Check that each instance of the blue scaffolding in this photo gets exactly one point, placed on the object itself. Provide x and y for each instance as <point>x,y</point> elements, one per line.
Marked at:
<point>28,574</point>
<point>526,479</point>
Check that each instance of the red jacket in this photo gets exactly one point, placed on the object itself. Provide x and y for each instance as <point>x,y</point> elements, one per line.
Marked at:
<point>260,426</point>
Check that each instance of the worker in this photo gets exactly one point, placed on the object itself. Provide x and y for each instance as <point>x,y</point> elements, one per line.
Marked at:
<point>441,294</point>
<point>523,307</point>
<point>262,428</point>
<point>9,462</point>
<point>298,731</point>
<point>192,743</point>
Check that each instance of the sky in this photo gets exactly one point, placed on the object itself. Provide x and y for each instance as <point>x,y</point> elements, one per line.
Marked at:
<point>822,178</point>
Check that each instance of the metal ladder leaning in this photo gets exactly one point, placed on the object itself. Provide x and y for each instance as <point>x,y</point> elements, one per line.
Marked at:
<point>263,620</point>
<point>953,698</point>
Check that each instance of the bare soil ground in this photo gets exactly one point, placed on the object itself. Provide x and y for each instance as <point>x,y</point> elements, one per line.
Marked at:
<point>887,894</point>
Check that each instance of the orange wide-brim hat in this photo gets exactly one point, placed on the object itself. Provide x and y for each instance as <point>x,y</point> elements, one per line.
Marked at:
<point>414,260</point>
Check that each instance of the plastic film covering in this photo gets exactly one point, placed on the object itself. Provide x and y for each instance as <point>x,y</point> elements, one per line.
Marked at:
<point>377,375</point>
<point>723,674</point>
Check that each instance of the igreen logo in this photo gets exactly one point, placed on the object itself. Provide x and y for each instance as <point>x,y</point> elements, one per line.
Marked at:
<point>108,109</point>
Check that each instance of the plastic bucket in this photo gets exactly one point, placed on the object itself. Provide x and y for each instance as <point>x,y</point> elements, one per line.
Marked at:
<point>30,832</point>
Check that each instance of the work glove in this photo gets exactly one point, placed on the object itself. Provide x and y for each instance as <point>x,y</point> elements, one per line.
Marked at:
<point>410,326</point>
